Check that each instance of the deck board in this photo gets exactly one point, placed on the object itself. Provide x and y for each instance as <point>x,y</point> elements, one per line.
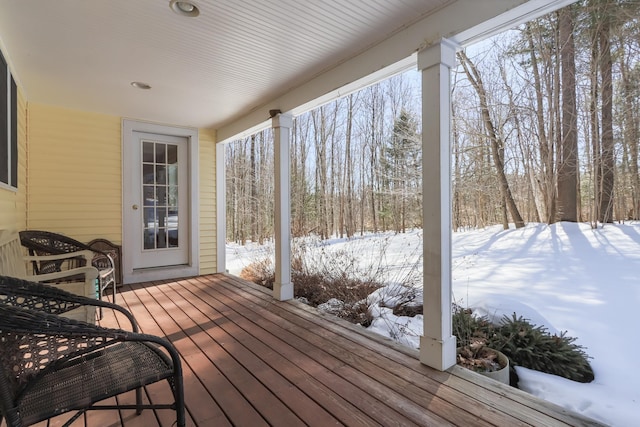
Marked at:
<point>300,353</point>
<point>341,362</point>
<point>251,360</point>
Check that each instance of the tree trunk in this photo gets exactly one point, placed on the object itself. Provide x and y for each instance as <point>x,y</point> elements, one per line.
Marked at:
<point>373,164</point>
<point>629,88</point>
<point>254,191</point>
<point>594,123</point>
<point>568,150</point>
<point>546,151</point>
<point>333,171</point>
<point>349,222</point>
<point>457,175</point>
<point>606,201</point>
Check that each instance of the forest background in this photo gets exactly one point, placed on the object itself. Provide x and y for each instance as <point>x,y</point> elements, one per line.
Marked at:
<point>545,128</point>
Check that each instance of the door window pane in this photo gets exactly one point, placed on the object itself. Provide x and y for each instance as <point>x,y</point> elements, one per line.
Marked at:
<point>149,226</point>
<point>148,174</point>
<point>160,195</point>
<point>161,174</point>
<point>148,195</point>
<point>161,155</point>
<point>172,154</point>
<point>147,152</point>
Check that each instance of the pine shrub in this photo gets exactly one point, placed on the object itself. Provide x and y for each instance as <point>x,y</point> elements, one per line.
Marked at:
<point>525,345</point>
<point>535,348</point>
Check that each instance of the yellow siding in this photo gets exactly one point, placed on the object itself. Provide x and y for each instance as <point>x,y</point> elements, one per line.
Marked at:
<point>207,178</point>
<point>13,203</point>
<point>75,173</point>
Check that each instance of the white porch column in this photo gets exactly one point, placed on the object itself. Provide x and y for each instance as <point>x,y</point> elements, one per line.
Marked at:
<point>221,210</point>
<point>282,288</point>
<point>437,345</point>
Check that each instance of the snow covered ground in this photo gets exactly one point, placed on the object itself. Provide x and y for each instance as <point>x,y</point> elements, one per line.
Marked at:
<point>567,277</point>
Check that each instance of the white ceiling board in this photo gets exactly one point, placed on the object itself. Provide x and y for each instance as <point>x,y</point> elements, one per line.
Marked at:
<point>221,69</point>
<point>204,71</point>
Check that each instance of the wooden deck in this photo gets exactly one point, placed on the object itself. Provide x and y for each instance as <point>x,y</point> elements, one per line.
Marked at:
<point>252,361</point>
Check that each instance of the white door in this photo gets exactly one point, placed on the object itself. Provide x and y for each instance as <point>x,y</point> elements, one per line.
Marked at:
<point>160,202</point>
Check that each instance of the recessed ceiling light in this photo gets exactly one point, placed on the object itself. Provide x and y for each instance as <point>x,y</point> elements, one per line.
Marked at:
<point>184,8</point>
<point>140,85</point>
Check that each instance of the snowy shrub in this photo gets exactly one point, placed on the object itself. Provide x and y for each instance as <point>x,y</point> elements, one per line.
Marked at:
<point>525,345</point>
<point>320,275</point>
<point>261,272</point>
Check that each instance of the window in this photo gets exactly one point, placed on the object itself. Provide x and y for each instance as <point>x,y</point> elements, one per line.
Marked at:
<point>8,127</point>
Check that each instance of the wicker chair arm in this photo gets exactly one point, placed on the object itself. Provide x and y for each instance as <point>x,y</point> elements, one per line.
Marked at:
<point>46,340</point>
<point>42,324</point>
<point>87,255</point>
<point>17,320</point>
<point>90,273</point>
<point>50,299</point>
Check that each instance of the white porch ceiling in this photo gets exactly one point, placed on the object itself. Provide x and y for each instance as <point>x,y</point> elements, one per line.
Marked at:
<point>207,72</point>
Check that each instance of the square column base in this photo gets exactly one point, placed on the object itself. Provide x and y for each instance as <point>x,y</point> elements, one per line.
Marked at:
<point>283,291</point>
<point>440,355</point>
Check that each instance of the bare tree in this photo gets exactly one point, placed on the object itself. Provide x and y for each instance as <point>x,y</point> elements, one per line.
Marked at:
<point>321,137</point>
<point>348,202</point>
<point>496,142</point>
<point>552,135</point>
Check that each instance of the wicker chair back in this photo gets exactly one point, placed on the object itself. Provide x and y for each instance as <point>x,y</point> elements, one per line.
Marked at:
<point>41,243</point>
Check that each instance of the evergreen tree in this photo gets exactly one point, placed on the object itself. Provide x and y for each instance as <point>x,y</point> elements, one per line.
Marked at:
<point>402,169</point>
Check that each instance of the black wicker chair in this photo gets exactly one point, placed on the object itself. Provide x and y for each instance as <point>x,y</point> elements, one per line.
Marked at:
<point>52,364</point>
<point>47,243</point>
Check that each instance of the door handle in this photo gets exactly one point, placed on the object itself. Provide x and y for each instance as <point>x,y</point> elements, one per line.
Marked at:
<point>134,207</point>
